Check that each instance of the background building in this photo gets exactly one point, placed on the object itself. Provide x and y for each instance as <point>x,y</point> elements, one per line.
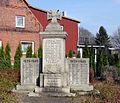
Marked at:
<point>22,23</point>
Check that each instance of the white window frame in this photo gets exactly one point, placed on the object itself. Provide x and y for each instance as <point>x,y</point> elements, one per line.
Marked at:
<point>16,20</point>
<point>33,45</point>
<point>0,43</point>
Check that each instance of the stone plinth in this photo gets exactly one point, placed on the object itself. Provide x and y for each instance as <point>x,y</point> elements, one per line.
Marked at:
<point>54,77</point>
<point>29,74</point>
<point>54,73</point>
<point>79,74</point>
<point>52,80</point>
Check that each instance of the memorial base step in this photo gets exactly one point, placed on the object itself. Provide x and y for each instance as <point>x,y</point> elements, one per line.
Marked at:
<point>84,87</point>
<point>53,89</point>
<point>61,94</point>
<point>25,87</point>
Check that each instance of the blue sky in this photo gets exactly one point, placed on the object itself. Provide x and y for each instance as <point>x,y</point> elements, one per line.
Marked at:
<point>91,13</point>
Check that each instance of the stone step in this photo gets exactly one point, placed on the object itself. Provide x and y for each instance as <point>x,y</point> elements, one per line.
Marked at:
<point>52,89</point>
<point>57,94</point>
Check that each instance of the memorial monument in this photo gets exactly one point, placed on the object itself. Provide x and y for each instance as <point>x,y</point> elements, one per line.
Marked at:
<point>29,74</point>
<point>79,74</point>
<point>54,72</point>
<point>58,74</point>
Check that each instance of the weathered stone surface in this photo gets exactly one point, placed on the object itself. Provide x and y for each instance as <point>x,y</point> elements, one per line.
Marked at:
<point>53,55</point>
<point>79,74</point>
<point>54,74</point>
<point>52,80</point>
<point>29,73</point>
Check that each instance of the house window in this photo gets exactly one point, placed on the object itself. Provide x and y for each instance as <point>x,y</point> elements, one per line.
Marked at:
<point>20,21</point>
<point>25,45</point>
<point>0,43</point>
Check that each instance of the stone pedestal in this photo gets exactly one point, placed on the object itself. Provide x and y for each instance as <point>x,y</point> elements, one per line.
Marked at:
<point>54,77</point>
<point>53,80</point>
<point>29,74</point>
<point>54,74</point>
<point>79,74</point>
<point>53,83</point>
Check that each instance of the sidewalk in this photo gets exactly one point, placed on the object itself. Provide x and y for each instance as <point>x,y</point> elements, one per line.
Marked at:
<point>23,98</point>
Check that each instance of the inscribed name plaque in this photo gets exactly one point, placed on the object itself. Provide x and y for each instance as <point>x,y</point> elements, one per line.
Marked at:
<point>52,80</point>
<point>53,55</point>
<point>78,71</point>
<point>29,71</point>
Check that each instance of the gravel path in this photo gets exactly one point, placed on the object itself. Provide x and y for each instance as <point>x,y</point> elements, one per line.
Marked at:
<point>23,98</point>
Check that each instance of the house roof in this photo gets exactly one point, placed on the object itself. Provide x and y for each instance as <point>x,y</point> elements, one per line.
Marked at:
<point>48,11</point>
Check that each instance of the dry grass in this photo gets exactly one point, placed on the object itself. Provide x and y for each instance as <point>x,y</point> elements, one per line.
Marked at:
<point>109,91</point>
<point>8,80</point>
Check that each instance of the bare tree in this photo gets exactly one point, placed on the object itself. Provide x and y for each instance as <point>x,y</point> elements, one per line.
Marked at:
<point>115,39</point>
<point>85,36</point>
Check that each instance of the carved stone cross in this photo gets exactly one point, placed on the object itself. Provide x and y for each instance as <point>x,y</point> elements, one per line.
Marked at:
<point>54,15</point>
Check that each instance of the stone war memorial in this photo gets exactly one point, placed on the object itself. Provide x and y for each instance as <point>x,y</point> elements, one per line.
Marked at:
<point>58,74</point>
<point>29,74</point>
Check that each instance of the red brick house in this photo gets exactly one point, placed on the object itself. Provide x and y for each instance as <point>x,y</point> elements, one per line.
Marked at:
<point>69,25</point>
<point>21,23</point>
